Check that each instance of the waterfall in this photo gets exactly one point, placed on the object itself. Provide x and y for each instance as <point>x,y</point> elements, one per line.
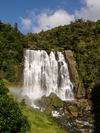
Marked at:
<point>45,74</point>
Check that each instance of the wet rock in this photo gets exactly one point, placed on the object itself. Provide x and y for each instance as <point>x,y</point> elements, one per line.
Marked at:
<point>50,103</point>
<point>77,117</point>
<point>57,114</point>
<point>72,110</point>
<point>79,90</point>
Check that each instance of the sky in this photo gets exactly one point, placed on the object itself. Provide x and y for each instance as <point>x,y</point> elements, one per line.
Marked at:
<point>36,15</point>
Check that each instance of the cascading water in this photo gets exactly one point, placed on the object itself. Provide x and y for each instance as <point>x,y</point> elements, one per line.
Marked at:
<point>45,74</point>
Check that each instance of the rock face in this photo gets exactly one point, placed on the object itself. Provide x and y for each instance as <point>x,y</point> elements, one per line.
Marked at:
<point>77,116</point>
<point>50,103</point>
<point>79,91</point>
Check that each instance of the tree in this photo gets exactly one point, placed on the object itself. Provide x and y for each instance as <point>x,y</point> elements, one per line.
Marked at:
<point>11,117</point>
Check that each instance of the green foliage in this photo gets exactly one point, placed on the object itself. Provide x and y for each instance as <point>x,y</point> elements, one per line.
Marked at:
<point>11,118</point>
<point>82,37</point>
<point>41,123</point>
<point>11,50</point>
<point>3,89</point>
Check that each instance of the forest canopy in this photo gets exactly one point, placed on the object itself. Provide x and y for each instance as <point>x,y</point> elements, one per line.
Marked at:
<point>82,37</point>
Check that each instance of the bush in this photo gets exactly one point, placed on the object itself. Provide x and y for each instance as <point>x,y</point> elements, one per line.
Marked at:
<point>11,117</point>
<point>3,89</point>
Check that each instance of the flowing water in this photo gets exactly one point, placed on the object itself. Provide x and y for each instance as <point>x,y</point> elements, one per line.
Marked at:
<point>45,74</point>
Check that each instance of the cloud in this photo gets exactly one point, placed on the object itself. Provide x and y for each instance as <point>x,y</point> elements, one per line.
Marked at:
<point>45,20</point>
<point>26,23</point>
<point>37,20</point>
<point>49,19</point>
<point>90,11</point>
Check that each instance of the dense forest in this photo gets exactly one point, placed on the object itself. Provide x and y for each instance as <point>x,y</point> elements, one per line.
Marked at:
<point>82,37</point>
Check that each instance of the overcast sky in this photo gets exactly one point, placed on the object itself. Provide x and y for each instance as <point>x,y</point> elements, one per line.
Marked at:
<point>37,15</point>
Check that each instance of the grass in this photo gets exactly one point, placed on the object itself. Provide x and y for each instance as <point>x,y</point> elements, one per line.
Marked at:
<point>40,123</point>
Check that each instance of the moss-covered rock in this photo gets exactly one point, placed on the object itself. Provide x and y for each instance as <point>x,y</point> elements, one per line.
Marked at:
<point>50,103</point>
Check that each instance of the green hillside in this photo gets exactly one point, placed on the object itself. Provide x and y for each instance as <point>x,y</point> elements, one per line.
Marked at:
<point>17,117</point>
<point>39,122</point>
<point>82,37</point>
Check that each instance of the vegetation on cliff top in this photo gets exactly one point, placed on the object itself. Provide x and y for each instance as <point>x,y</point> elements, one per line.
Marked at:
<point>82,37</point>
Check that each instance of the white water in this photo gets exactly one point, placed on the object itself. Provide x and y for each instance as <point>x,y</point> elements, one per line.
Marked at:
<point>45,74</point>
